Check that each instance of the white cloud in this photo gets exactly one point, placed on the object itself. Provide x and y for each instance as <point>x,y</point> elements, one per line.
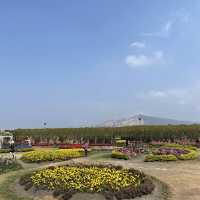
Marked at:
<point>136,61</point>
<point>189,97</point>
<point>164,32</point>
<point>167,27</point>
<point>138,44</point>
<point>158,55</point>
<point>157,94</point>
<point>182,102</point>
<point>180,16</point>
<point>180,94</point>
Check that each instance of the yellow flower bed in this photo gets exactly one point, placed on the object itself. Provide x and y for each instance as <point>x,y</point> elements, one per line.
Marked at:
<point>52,155</point>
<point>86,178</point>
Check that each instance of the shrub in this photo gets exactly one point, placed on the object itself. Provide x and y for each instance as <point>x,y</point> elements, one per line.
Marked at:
<point>119,155</point>
<point>173,145</point>
<point>152,158</point>
<point>51,155</point>
<point>120,143</point>
<point>189,156</point>
<point>178,146</point>
<point>192,148</point>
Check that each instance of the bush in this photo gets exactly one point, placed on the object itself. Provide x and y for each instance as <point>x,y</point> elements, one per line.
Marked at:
<point>51,155</point>
<point>119,155</point>
<point>120,143</point>
<point>173,145</point>
<point>189,156</point>
<point>178,146</point>
<point>192,148</point>
<point>152,158</point>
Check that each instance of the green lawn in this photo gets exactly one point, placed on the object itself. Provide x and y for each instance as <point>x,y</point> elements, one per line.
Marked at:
<point>98,155</point>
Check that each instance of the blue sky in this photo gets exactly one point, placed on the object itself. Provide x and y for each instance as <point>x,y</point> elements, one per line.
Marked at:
<point>77,63</point>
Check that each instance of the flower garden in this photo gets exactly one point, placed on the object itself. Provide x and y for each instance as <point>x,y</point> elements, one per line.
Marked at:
<point>111,181</point>
<point>59,168</point>
<point>172,152</point>
<point>52,155</point>
<point>123,153</point>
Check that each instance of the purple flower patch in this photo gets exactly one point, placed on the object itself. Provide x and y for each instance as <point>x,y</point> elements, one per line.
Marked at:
<point>173,151</point>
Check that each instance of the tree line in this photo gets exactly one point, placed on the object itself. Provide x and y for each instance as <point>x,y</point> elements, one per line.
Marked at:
<point>144,133</point>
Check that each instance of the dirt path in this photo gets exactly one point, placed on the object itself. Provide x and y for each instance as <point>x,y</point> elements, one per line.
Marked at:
<point>183,177</point>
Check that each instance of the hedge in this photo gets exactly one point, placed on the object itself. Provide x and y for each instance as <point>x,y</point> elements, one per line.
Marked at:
<point>119,155</point>
<point>152,158</point>
<point>189,156</point>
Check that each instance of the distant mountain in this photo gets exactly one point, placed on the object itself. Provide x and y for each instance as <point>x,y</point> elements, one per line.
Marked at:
<point>141,120</point>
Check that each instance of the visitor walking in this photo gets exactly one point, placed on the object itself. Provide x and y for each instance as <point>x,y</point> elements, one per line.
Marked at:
<point>85,147</point>
<point>28,141</point>
<point>12,149</point>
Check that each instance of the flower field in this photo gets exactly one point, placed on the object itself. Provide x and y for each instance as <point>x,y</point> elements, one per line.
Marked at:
<point>122,153</point>
<point>172,152</point>
<point>114,181</point>
<point>85,179</point>
<point>52,155</point>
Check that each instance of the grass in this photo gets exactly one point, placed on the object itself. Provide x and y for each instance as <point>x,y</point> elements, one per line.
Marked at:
<point>10,167</point>
<point>45,148</point>
<point>98,155</point>
<point>5,188</point>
